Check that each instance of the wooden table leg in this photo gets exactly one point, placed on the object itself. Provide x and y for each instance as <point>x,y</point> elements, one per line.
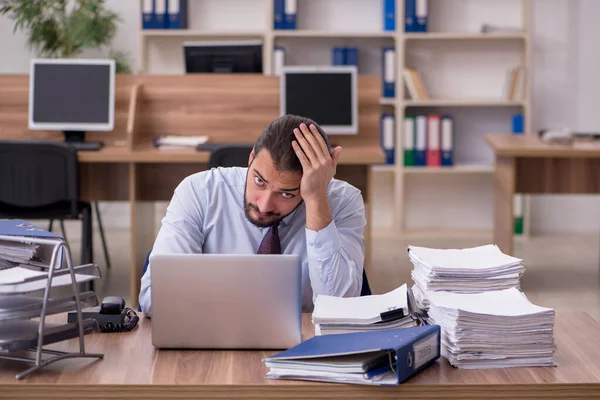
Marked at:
<point>142,235</point>
<point>504,190</point>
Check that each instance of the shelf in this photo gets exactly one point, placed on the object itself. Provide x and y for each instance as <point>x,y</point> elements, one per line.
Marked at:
<point>457,169</point>
<point>464,103</point>
<point>195,33</point>
<point>333,34</point>
<point>383,168</point>
<point>464,36</point>
<point>389,101</point>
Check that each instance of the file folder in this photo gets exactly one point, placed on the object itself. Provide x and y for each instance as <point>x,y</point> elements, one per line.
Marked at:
<point>160,14</point>
<point>410,18</point>
<point>290,11</point>
<point>37,255</point>
<point>410,350</point>
<point>278,14</point>
<point>447,133</point>
<point>421,141</point>
<point>177,14</point>
<point>352,56</point>
<point>433,140</point>
<point>409,141</point>
<point>421,13</point>
<point>338,56</point>
<point>278,60</point>
<point>387,137</point>
<point>389,15</point>
<point>389,72</point>
<point>147,14</point>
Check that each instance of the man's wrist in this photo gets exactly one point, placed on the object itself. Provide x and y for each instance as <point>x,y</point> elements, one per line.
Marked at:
<point>318,213</point>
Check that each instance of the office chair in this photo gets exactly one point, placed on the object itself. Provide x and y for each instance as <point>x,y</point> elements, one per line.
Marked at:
<point>39,180</point>
<point>230,155</point>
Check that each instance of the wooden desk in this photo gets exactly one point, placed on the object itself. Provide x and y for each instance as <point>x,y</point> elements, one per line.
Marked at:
<point>228,108</point>
<point>525,164</point>
<point>131,368</point>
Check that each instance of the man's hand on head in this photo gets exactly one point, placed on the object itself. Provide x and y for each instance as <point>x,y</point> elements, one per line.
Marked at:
<point>318,168</point>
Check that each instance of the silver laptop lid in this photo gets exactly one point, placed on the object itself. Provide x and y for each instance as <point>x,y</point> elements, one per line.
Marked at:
<point>226,301</point>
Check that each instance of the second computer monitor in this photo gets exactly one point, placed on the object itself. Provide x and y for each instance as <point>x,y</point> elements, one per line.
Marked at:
<point>223,57</point>
<point>327,95</point>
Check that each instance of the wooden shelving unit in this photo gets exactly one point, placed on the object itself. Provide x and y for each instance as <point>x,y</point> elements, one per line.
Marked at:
<point>314,37</point>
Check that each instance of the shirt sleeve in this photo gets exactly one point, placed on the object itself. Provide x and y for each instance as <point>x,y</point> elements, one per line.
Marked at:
<point>180,233</point>
<point>336,253</point>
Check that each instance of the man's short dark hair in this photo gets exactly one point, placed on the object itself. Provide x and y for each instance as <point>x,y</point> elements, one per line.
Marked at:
<point>277,138</point>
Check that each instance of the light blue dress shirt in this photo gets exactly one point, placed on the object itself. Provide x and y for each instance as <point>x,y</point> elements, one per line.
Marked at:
<point>206,215</point>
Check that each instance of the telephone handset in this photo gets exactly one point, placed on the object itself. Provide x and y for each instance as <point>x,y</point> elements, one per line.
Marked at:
<point>112,315</point>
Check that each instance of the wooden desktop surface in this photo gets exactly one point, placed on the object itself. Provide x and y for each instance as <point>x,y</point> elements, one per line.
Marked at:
<point>507,145</point>
<point>524,164</point>
<point>351,155</point>
<point>132,368</point>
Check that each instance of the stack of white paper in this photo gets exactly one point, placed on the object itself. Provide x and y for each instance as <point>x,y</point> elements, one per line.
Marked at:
<point>495,329</point>
<point>18,252</point>
<point>333,315</point>
<point>473,270</point>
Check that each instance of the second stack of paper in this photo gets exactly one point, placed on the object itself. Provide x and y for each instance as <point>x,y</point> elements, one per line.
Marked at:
<point>495,329</point>
<point>471,270</point>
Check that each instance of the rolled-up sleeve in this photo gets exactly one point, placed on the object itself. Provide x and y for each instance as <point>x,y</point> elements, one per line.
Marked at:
<point>336,253</point>
<point>180,233</point>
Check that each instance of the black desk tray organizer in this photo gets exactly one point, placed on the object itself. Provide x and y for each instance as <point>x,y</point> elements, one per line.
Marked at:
<point>23,328</point>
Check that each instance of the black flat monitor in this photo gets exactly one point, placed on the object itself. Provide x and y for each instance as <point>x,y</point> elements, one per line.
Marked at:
<point>328,95</point>
<point>73,96</point>
<point>223,57</point>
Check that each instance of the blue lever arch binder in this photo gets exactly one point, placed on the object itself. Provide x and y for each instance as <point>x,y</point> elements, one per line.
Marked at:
<point>410,351</point>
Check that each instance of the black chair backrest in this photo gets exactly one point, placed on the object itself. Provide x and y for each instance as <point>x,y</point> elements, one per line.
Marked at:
<point>230,155</point>
<point>37,174</point>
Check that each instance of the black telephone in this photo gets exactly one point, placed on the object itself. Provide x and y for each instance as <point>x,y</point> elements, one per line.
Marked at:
<point>112,315</point>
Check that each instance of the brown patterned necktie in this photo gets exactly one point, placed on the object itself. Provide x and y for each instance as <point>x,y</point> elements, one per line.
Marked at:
<point>270,243</point>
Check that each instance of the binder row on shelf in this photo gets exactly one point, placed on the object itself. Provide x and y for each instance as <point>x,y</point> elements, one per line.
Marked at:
<point>24,274</point>
<point>164,14</point>
<point>416,15</point>
<point>428,140</point>
<point>285,14</point>
<point>344,56</point>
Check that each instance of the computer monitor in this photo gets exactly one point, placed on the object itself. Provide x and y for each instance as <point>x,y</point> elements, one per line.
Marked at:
<point>223,57</point>
<point>72,95</point>
<point>327,95</point>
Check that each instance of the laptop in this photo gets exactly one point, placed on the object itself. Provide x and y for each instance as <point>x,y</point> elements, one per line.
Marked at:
<point>226,301</point>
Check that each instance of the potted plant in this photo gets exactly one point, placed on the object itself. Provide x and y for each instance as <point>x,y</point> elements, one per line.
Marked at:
<point>65,28</point>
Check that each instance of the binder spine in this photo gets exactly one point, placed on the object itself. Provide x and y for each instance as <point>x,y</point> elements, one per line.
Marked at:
<point>352,56</point>
<point>410,24</point>
<point>421,13</point>
<point>290,11</point>
<point>387,137</point>
<point>447,133</point>
<point>338,56</point>
<point>278,14</point>
<point>417,355</point>
<point>177,14</point>
<point>278,60</point>
<point>160,11</point>
<point>433,140</point>
<point>389,72</point>
<point>147,14</point>
<point>389,15</point>
<point>409,141</point>
<point>421,141</point>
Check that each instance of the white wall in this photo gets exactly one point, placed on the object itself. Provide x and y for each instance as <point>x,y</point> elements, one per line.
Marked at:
<point>565,82</point>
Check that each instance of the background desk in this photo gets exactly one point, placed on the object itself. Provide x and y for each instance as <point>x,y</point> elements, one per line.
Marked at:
<point>147,175</point>
<point>525,164</point>
<point>228,108</point>
<point>131,368</point>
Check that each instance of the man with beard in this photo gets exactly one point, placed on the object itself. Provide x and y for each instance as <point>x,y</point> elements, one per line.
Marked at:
<point>285,202</point>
